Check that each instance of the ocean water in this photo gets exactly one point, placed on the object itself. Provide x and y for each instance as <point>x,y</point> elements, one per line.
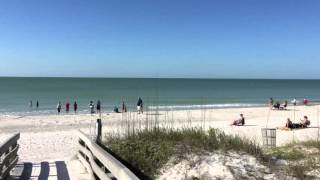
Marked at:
<point>16,93</point>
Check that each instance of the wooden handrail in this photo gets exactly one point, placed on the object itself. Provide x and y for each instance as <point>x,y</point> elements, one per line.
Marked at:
<point>101,163</point>
<point>9,155</point>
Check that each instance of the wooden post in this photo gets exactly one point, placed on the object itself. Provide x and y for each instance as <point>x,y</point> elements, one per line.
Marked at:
<point>98,130</point>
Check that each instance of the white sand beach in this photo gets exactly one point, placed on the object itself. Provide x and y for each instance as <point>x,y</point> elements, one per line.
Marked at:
<point>54,137</point>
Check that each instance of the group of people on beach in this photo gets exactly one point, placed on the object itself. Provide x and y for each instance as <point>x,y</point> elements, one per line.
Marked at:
<point>304,123</point>
<point>67,105</point>
<point>96,108</point>
<point>277,106</point>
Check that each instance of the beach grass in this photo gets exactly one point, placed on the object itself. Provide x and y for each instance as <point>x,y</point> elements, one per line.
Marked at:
<point>150,150</point>
<point>301,157</point>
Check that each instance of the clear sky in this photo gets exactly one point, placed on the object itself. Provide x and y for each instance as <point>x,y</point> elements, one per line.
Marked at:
<point>160,38</point>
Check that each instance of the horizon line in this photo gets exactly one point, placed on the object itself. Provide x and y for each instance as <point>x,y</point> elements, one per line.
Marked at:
<point>118,77</point>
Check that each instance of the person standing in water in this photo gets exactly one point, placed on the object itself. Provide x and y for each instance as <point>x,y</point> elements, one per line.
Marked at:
<point>37,104</point>
<point>140,105</point>
<point>67,107</point>
<point>294,101</point>
<point>30,104</point>
<point>75,107</point>
<point>98,106</point>
<point>91,106</point>
<point>59,107</point>
<point>124,107</point>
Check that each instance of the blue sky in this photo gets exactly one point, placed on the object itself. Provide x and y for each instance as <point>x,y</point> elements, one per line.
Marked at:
<point>163,38</point>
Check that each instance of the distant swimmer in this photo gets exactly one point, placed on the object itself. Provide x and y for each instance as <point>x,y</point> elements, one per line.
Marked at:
<point>98,106</point>
<point>75,107</point>
<point>37,104</point>
<point>67,107</point>
<point>91,106</point>
<point>59,107</point>
<point>140,105</point>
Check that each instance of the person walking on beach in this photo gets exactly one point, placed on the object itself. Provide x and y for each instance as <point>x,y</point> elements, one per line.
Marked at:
<point>98,106</point>
<point>75,107</point>
<point>91,106</point>
<point>59,107</point>
<point>67,107</point>
<point>37,104</point>
<point>140,105</point>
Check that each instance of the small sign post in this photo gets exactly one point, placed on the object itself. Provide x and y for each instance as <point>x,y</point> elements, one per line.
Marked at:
<point>98,130</point>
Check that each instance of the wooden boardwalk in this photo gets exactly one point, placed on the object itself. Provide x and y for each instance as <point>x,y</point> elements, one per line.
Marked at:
<point>90,160</point>
<point>56,170</point>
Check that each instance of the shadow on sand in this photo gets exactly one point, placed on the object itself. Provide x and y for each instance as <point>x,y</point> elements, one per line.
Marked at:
<point>25,171</point>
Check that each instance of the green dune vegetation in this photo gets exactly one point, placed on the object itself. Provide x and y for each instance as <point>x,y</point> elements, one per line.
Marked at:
<point>302,159</point>
<point>150,150</point>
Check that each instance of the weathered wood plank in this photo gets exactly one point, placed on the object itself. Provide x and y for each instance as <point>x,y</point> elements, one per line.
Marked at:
<point>12,154</point>
<point>94,167</point>
<point>9,155</point>
<point>6,171</point>
<point>8,143</point>
<point>86,165</point>
<point>117,169</point>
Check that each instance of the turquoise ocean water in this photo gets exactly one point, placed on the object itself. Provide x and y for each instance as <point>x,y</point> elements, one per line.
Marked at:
<point>16,93</point>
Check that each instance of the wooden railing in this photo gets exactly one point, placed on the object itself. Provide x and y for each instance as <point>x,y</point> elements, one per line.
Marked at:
<point>8,155</point>
<point>100,163</point>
